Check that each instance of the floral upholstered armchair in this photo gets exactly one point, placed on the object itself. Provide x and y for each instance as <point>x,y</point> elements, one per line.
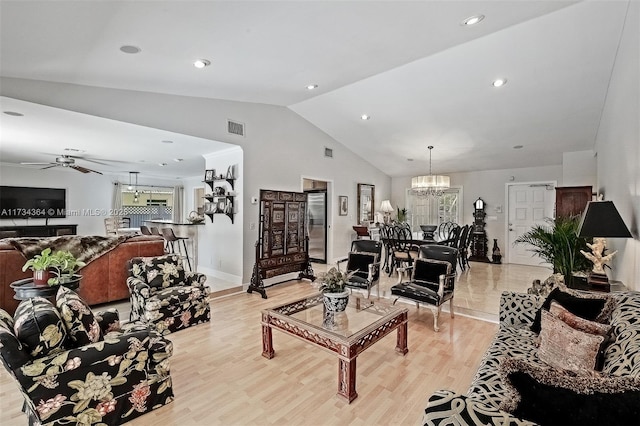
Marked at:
<point>164,295</point>
<point>76,367</point>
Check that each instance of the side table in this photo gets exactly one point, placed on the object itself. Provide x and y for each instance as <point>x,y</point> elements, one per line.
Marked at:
<point>25,289</point>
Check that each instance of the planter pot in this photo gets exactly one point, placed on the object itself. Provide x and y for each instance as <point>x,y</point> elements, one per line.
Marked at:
<point>336,302</point>
<point>40,278</point>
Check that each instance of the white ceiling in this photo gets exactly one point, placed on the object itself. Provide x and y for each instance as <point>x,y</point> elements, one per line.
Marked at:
<point>423,77</point>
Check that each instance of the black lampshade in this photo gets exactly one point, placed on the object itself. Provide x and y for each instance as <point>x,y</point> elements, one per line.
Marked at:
<point>601,219</point>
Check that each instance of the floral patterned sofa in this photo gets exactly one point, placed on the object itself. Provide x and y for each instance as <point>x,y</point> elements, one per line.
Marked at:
<point>76,367</point>
<point>512,379</point>
<point>164,295</point>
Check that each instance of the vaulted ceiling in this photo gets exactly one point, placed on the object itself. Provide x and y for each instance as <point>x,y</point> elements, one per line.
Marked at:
<point>422,77</point>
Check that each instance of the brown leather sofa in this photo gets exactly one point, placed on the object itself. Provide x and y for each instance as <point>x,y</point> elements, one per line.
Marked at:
<point>103,280</point>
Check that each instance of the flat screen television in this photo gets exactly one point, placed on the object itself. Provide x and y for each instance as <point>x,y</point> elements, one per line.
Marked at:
<point>21,202</point>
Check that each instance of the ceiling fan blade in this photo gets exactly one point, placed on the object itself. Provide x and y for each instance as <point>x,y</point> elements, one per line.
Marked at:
<point>48,167</point>
<point>37,164</point>
<point>86,159</point>
<point>84,169</point>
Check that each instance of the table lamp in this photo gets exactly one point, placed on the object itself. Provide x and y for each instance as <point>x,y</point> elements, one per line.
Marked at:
<point>386,208</point>
<point>601,220</point>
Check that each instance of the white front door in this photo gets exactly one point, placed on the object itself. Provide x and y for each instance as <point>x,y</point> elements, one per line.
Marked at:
<point>529,205</point>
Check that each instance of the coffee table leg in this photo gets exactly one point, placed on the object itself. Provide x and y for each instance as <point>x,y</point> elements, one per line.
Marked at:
<point>267,342</point>
<point>347,379</point>
<point>401,344</point>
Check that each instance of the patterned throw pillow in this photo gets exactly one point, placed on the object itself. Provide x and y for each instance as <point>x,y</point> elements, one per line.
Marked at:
<point>78,318</point>
<point>593,307</point>
<point>164,271</point>
<point>578,323</point>
<point>564,347</point>
<point>38,325</point>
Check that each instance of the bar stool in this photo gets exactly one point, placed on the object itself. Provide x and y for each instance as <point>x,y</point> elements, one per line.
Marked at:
<point>144,230</point>
<point>172,239</point>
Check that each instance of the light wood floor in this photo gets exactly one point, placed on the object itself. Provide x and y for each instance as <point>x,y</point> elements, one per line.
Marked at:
<point>220,377</point>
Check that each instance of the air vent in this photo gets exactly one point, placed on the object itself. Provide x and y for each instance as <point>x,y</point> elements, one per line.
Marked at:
<point>235,128</point>
<point>328,152</point>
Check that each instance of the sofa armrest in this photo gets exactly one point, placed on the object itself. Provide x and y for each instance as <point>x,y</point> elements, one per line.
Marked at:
<point>108,320</point>
<point>192,278</point>
<point>447,408</point>
<point>136,286</point>
<point>122,355</point>
<point>518,309</point>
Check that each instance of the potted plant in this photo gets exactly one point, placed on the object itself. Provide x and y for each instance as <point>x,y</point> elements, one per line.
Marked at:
<point>558,244</point>
<point>65,265</point>
<point>402,215</point>
<point>333,288</point>
<point>40,264</point>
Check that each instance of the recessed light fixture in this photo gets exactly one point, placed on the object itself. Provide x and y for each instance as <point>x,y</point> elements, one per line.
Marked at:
<point>178,160</point>
<point>517,146</point>
<point>14,114</point>
<point>130,49</point>
<point>409,159</point>
<point>312,86</point>
<point>499,82</point>
<point>167,141</point>
<point>472,20</point>
<point>365,116</point>
<point>162,164</point>
<point>201,63</point>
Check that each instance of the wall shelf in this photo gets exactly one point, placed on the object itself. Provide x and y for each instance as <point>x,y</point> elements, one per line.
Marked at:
<point>220,204</point>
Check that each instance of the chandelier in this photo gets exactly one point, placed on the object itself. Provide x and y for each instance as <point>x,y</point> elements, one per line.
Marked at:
<point>430,185</point>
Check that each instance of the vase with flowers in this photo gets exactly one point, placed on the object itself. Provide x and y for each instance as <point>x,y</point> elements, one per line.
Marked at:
<point>333,287</point>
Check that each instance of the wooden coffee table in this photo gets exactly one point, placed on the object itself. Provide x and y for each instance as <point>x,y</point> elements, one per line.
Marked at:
<point>347,334</point>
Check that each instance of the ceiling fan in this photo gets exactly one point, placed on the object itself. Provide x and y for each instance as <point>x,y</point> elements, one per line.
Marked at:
<point>67,160</point>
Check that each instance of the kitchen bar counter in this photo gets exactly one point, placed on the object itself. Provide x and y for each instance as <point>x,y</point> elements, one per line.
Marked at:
<point>182,229</point>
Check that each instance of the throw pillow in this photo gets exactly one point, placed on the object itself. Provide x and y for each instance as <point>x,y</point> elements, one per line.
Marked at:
<point>38,325</point>
<point>590,306</point>
<point>547,395</point>
<point>164,271</point>
<point>578,323</point>
<point>78,318</point>
<point>429,270</point>
<point>564,347</point>
<point>360,261</point>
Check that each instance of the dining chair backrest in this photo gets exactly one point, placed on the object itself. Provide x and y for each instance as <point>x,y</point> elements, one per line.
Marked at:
<point>462,237</point>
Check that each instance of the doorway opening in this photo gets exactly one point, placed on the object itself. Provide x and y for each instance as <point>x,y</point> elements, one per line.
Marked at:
<point>316,218</point>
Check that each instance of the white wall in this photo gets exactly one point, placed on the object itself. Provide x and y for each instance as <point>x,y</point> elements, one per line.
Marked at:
<point>490,186</point>
<point>618,148</point>
<point>279,147</point>
<point>220,241</point>
<point>579,168</point>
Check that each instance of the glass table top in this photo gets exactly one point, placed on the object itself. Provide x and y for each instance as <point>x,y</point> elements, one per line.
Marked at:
<point>359,315</point>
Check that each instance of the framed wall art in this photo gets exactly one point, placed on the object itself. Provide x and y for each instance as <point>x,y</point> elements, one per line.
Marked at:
<point>343,205</point>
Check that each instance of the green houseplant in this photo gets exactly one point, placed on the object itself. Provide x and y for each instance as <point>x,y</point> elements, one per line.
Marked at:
<point>402,215</point>
<point>333,286</point>
<point>40,264</point>
<point>62,263</point>
<point>65,265</point>
<point>558,243</point>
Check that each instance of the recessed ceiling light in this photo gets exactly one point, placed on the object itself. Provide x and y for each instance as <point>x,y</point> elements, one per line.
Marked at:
<point>472,20</point>
<point>517,146</point>
<point>201,63</point>
<point>499,82</point>
<point>312,86</point>
<point>162,164</point>
<point>167,141</point>
<point>365,116</point>
<point>130,49</point>
<point>13,113</point>
<point>409,159</point>
<point>177,160</point>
